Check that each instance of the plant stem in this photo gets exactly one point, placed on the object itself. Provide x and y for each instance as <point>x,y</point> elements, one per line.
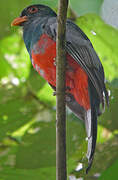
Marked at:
<point>61,170</point>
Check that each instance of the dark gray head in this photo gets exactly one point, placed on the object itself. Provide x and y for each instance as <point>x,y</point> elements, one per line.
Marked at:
<point>37,10</point>
<point>30,12</point>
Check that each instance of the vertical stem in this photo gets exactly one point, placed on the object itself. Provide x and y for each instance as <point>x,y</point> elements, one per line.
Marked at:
<point>61,171</point>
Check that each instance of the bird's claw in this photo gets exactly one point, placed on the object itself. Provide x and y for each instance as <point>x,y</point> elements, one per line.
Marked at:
<point>54,93</point>
<point>66,93</point>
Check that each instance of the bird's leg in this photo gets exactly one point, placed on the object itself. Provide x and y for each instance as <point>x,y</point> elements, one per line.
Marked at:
<point>54,61</point>
<point>54,93</point>
<point>66,92</point>
<point>68,67</point>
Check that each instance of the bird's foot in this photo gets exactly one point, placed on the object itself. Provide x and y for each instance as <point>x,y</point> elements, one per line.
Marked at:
<point>54,93</point>
<point>66,92</point>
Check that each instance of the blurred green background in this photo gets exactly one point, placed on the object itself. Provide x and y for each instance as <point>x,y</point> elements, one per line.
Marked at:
<point>27,107</point>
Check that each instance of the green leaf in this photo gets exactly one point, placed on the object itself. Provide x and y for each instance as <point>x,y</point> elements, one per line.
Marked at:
<point>14,57</point>
<point>35,82</point>
<point>82,7</point>
<point>46,94</point>
<point>111,172</point>
<point>50,3</point>
<point>32,174</point>
<point>8,12</point>
<point>16,109</point>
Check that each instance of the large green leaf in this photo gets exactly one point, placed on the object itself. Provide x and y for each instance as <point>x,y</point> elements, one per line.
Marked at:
<point>36,174</point>
<point>82,7</point>
<point>14,58</point>
<point>111,172</point>
<point>17,107</point>
<point>8,12</point>
<point>51,3</point>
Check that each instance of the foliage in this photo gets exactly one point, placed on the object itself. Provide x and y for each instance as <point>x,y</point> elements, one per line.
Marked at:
<point>27,107</point>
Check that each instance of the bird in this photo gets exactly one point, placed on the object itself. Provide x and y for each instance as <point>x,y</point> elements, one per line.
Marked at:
<point>86,93</point>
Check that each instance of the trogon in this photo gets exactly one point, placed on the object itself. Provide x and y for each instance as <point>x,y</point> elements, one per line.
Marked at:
<point>85,81</point>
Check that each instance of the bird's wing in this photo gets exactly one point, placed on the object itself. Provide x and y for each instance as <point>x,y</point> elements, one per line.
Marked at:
<point>80,48</point>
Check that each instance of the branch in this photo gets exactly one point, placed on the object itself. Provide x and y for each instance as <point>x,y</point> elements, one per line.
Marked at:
<point>61,172</point>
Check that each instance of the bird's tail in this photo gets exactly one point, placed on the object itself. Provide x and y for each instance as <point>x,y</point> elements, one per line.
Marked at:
<point>91,124</point>
<point>91,128</point>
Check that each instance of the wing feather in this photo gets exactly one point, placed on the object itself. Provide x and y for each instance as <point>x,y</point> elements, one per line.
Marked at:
<point>80,48</point>
<point>83,57</point>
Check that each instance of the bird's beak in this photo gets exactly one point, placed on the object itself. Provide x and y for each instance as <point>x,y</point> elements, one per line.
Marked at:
<point>17,21</point>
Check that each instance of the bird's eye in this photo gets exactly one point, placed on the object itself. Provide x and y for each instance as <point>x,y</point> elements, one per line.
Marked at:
<point>33,10</point>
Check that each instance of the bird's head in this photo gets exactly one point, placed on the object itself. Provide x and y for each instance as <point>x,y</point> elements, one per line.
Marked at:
<point>32,12</point>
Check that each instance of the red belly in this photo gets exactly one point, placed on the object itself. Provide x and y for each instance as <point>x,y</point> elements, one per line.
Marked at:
<point>43,60</point>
